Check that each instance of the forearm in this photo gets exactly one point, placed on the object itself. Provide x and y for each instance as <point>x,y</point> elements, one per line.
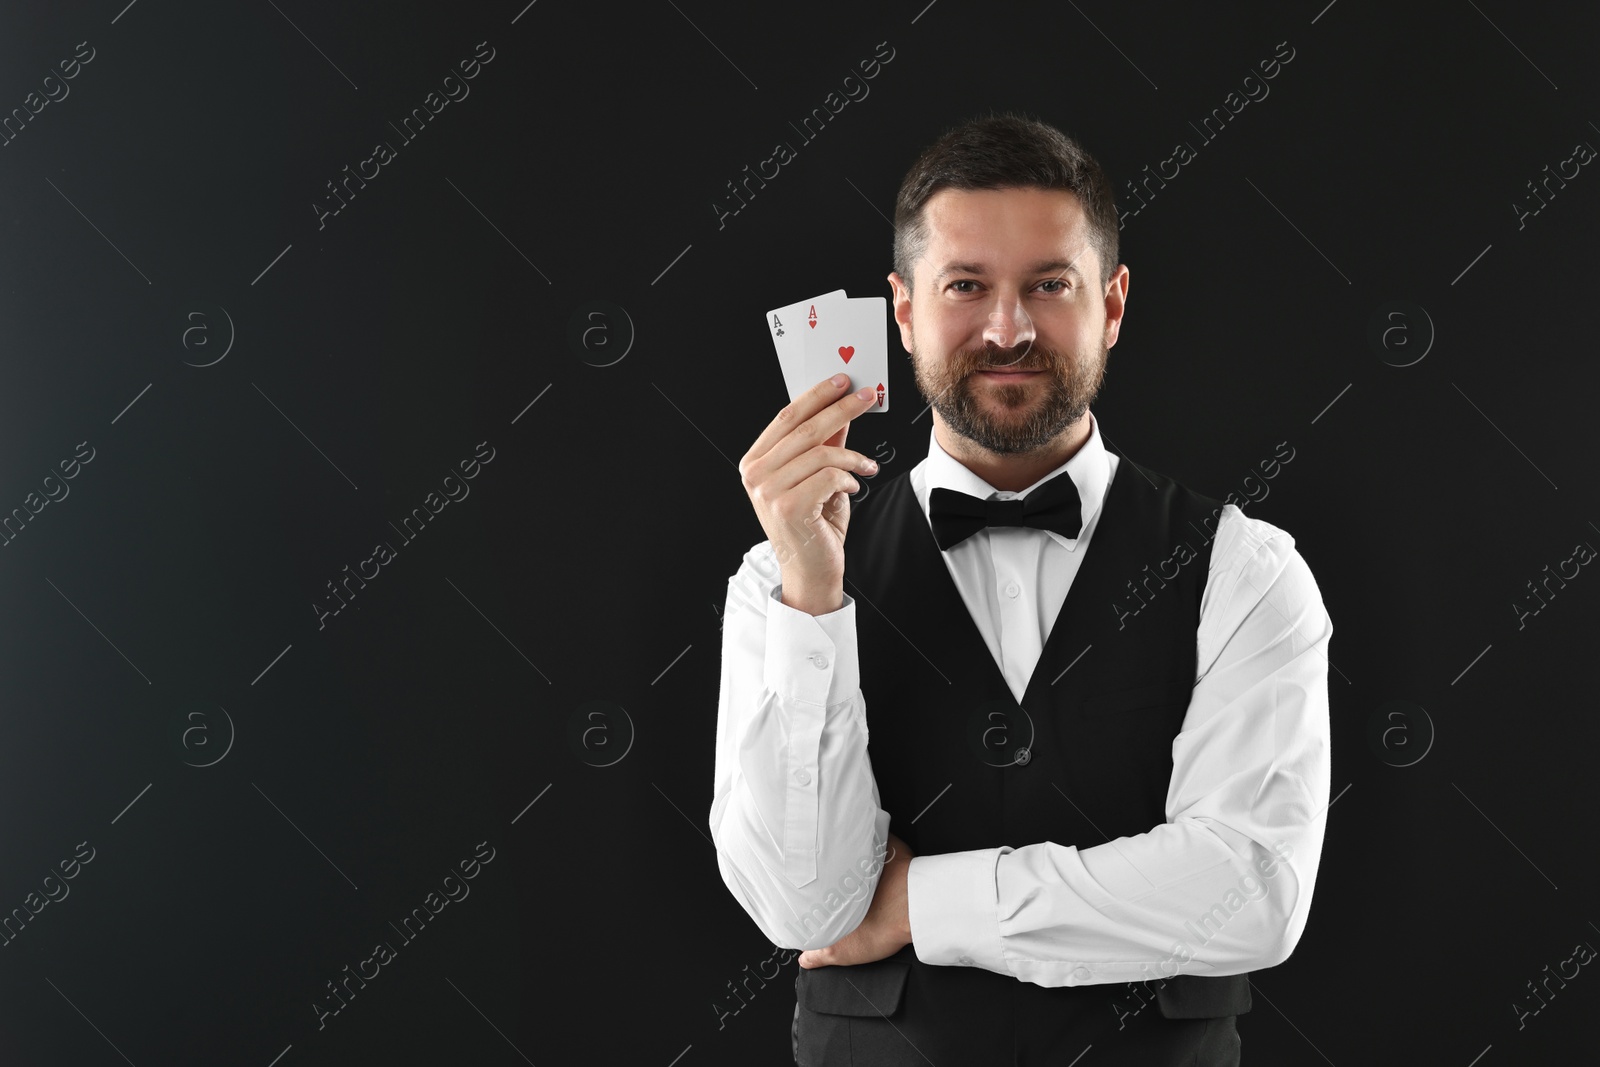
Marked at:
<point>1186,897</point>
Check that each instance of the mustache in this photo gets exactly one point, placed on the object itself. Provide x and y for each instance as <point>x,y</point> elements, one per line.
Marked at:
<point>991,357</point>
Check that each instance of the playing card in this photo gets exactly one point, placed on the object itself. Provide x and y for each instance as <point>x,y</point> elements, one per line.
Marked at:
<point>785,326</point>
<point>849,334</point>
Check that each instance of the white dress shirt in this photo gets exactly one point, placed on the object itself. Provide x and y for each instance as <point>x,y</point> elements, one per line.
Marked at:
<point>1222,887</point>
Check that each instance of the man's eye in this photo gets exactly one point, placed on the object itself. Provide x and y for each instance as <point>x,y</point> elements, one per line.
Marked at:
<point>1054,281</point>
<point>963,281</point>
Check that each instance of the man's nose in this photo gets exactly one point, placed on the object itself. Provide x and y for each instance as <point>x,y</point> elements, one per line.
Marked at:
<point>1009,324</point>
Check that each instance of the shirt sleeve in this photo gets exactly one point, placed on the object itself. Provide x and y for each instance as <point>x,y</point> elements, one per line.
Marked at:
<point>1224,885</point>
<point>795,815</point>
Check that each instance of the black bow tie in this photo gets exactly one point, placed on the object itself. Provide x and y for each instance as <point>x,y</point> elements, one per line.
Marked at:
<point>1051,506</point>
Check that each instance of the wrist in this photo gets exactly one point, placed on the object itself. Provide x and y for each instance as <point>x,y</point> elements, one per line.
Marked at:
<point>812,601</point>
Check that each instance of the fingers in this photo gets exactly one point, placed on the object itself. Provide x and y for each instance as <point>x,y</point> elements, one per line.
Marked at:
<point>814,416</point>
<point>816,462</point>
<point>818,493</point>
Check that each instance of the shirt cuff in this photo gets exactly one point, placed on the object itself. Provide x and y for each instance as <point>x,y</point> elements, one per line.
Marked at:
<point>812,658</point>
<point>953,904</point>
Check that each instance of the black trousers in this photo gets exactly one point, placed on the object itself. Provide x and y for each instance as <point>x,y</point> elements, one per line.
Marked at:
<point>1217,1046</point>
<point>881,1015</point>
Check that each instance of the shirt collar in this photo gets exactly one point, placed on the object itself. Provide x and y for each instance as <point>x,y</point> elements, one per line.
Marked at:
<point>1089,469</point>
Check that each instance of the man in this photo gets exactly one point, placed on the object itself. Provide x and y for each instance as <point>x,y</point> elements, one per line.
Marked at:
<point>1097,701</point>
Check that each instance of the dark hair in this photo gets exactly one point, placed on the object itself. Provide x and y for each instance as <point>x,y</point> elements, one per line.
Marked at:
<point>1004,151</point>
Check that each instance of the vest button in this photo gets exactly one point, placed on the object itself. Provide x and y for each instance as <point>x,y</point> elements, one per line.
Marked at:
<point>1023,756</point>
<point>965,961</point>
<point>820,661</point>
<point>1012,589</point>
<point>802,776</point>
<point>1082,974</point>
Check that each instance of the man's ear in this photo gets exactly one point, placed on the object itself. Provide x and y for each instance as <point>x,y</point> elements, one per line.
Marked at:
<point>1116,303</point>
<point>900,294</point>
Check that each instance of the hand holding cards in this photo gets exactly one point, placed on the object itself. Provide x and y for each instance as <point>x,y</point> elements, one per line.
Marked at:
<point>830,334</point>
<point>797,475</point>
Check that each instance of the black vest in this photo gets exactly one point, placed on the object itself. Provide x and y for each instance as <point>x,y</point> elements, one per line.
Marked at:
<point>1084,759</point>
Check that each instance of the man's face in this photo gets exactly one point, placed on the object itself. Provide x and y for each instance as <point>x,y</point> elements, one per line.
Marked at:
<point>1008,281</point>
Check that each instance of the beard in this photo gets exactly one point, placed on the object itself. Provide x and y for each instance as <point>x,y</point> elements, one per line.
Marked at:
<point>1011,417</point>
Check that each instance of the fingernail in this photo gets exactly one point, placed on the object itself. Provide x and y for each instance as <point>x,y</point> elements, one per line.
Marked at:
<point>838,380</point>
<point>866,393</point>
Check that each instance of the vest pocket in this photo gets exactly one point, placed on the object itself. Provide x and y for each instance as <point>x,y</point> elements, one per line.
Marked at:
<point>1160,694</point>
<point>874,989</point>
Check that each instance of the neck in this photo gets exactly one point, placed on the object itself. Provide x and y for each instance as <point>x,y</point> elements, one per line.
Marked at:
<point>1013,472</point>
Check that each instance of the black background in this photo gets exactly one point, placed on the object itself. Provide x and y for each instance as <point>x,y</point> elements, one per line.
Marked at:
<point>163,213</point>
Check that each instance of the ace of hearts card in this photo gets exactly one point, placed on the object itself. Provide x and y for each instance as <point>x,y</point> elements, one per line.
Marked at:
<point>847,334</point>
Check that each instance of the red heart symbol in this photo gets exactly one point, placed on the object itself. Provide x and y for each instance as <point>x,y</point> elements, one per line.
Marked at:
<point>846,351</point>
